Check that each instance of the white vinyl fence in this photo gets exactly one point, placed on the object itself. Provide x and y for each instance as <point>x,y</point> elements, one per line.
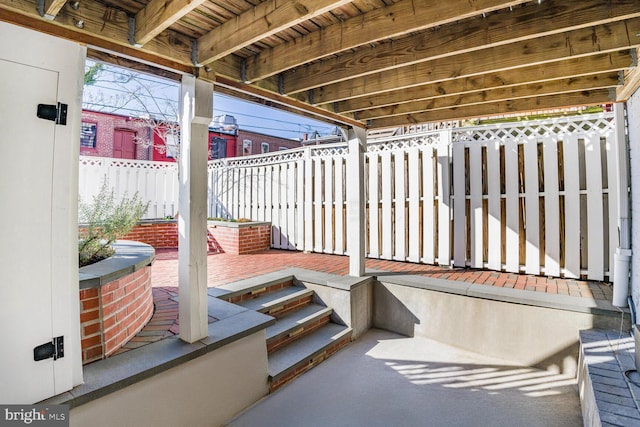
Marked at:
<point>536,197</point>
<point>155,182</point>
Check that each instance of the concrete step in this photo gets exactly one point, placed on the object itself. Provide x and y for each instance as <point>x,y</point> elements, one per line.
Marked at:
<point>297,324</point>
<point>305,353</point>
<point>279,302</point>
<point>251,288</point>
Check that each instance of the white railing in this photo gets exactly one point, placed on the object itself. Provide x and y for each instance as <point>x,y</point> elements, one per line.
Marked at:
<point>536,197</point>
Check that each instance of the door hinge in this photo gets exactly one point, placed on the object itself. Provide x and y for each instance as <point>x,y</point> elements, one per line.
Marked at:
<point>54,349</point>
<point>55,113</point>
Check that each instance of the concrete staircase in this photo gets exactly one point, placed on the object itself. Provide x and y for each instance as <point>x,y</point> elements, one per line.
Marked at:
<point>305,332</point>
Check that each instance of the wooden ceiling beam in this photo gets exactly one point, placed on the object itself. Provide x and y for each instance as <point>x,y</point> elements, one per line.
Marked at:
<point>565,100</point>
<point>552,87</point>
<point>631,81</point>
<point>602,63</point>
<point>158,15</point>
<point>104,27</point>
<point>263,20</point>
<point>575,44</point>
<point>396,20</point>
<point>501,28</point>
<point>51,8</point>
<point>34,22</point>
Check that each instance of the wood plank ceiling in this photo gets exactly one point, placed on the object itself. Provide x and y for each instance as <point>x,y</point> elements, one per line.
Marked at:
<point>372,63</point>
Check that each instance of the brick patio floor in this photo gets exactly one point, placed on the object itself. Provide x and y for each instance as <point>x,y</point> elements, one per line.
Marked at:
<point>226,268</point>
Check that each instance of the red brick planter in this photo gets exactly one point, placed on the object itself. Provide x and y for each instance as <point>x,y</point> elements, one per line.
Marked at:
<point>160,234</point>
<point>115,300</point>
<point>241,237</point>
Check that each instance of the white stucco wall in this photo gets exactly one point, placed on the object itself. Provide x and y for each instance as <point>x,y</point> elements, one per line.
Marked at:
<point>633,118</point>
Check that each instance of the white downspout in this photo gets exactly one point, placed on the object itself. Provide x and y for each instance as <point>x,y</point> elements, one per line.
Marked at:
<point>623,253</point>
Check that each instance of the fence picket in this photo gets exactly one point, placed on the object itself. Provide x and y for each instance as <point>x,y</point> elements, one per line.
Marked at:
<point>328,205</point>
<point>340,205</point>
<point>532,206</point>
<point>428,219</point>
<point>299,204</point>
<point>413,156</point>
<point>551,208</point>
<point>459,206</point>
<point>400,200</point>
<point>387,218</point>
<point>291,201</point>
<point>444,208</point>
<point>494,220</point>
<point>317,202</point>
<point>595,220</point>
<point>374,205</point>
<point>571,207</point>
<point>512,202</point>
<point>476,217</point>
<point>308,201</point>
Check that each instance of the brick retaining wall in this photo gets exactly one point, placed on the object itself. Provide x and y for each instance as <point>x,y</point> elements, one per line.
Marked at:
<point>114,313</point>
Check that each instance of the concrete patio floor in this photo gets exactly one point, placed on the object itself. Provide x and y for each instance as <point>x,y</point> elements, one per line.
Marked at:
<point>385,379</point>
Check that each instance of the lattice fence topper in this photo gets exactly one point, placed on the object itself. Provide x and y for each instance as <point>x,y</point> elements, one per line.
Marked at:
<point>561,126</point>
<point>283,156</point>
<point>142,164</point>
<point>333,150</point>
<point>92,161</point>
<point>398,143</point>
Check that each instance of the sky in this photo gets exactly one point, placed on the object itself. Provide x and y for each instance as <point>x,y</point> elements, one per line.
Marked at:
<point>120,91</point>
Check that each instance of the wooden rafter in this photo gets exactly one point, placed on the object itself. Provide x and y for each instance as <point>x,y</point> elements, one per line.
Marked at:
<point>599,96</point>
<point>264,20</point>
<point>552,87</point>
<point>158,15</point>
<point>571,68</point>
<point>498,29</point>
<point>392,21</point>
<point>573,44</point>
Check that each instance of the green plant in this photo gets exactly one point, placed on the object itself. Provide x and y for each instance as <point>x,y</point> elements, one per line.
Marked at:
<point>104,221</point>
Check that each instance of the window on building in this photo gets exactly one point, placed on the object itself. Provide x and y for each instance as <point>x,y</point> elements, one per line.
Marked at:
<point>246,147</point>
<point>172,141</point>
<point>282,148</point>
<point>218,148</point>
<point>88,133</point>
<point>264,147</point>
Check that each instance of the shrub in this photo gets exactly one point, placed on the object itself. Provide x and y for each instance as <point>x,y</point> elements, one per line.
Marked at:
<point>105,221</point>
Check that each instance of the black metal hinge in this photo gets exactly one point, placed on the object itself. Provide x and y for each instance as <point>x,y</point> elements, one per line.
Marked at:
<point>55,113</point>
<point>54,349</point>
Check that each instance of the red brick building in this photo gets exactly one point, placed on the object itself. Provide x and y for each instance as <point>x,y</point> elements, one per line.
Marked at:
<point>112,135</point>
<point>257,143</point>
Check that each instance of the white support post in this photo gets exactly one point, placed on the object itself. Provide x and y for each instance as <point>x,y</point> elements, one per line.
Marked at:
<point>196,111</point>
<point>355,201</point>
<point>623,251</point>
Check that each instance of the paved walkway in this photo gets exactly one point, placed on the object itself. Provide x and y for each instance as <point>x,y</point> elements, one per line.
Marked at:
<point>226,268</point>
<point>385,379</point>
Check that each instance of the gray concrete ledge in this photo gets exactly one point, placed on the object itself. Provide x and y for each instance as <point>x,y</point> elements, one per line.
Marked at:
<point>515,296</point>
<point>117,372</point>
<point>231,224</point>
<point>130,257</point>
<point>609,386</point>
